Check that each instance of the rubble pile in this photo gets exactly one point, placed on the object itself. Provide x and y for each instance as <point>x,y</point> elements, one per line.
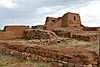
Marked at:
<point>39,34</point>
<point>41,37</point>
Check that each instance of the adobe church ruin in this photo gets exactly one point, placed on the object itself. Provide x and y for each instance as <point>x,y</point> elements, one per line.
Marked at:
<point>69,25</point>
<point>68,20</point>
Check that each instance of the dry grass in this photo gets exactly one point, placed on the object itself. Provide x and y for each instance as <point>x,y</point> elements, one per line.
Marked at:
<point>73,43</point>
<point>11,61</point>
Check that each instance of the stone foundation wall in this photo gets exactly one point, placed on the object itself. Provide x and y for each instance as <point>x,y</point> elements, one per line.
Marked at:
<point>37,53</point>
<point>83,35</point>
<point>85,38</point>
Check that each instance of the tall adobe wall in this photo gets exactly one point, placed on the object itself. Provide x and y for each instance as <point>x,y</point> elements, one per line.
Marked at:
<point>5,35</point>
<point>71,20</point>
<point>18,30</point>
<point>50,21</point>
<point>58,23</point>
<point>53,23</point>
<point>68,20</point>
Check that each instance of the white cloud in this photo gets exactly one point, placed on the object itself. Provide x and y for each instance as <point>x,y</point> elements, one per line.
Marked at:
<point>51,9</point>
<point>89,13</point>
<point>38,10</point>
<point>8,3</point>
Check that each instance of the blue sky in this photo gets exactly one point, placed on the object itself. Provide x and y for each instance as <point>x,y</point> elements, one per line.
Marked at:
<point>34,12</point>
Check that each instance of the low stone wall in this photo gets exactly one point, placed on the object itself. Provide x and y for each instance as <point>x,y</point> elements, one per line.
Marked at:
<point>85,37</point>
<point>58,56</point>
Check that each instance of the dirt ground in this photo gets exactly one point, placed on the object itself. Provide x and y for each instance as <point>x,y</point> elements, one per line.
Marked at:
<point>11,61</point>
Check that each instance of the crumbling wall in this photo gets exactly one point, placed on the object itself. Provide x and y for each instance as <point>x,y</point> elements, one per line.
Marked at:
<point>53,23</point>
<point>5,35</point>
<point>18,30</point>
<point>86,36</point>
<point>39,34</point>
<point>57,25</point>
<point>57,55</point>
<point>50,21</point>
